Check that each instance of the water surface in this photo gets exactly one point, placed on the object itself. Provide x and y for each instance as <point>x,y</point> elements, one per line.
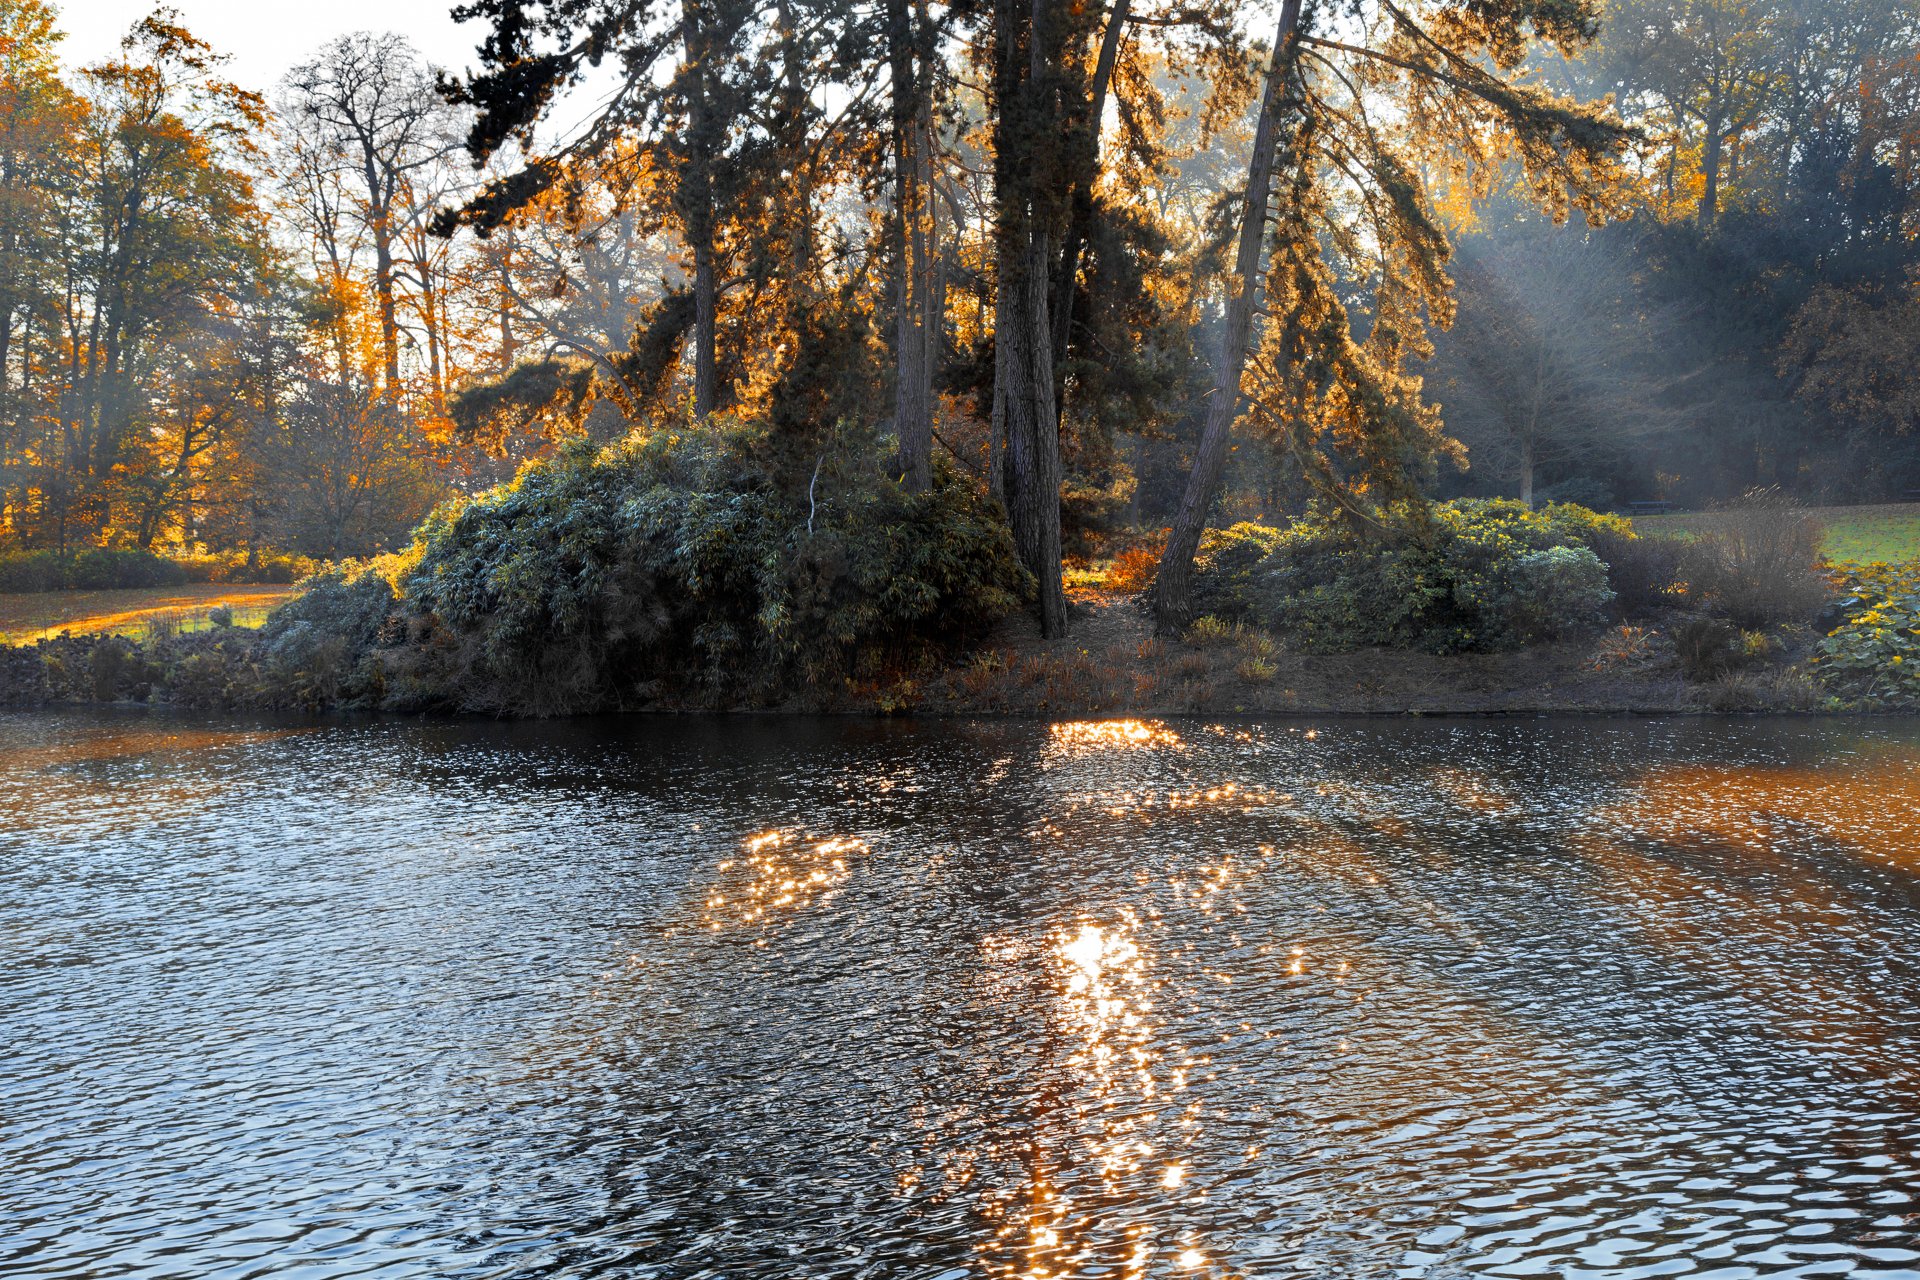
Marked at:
<point>767,998</point>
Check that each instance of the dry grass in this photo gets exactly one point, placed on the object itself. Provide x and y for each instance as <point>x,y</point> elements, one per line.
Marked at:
<point>140,613</point>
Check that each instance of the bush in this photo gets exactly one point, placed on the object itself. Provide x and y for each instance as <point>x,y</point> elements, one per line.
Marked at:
<point>1550,589</point>
<point>1758,562</point>
<point>1645,573</point>
<point>1134,569</point>
<point>676,560</point>
<point>317,650</point>
<point>102,570</point>
<point>32,571</point>
<point>1707,648</point>
<point>1463,575</point>
<point>1223,568</point>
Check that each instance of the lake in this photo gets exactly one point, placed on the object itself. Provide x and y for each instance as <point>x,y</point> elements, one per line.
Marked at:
<point>763,997</point>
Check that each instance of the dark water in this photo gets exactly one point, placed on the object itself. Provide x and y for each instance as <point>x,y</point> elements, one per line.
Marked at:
<point>766,998</point>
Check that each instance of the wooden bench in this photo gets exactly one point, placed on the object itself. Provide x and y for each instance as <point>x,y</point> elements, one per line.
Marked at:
<point>1652,508</point>
<point>1910,495</point>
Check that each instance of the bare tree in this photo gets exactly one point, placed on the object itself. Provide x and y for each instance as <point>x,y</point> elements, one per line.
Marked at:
<point>370,120</point>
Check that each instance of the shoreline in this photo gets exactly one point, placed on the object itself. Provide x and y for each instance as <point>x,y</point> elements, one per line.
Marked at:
<point>1108,666</point>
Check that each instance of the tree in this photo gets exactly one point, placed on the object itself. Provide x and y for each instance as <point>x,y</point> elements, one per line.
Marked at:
<point>159,230</point>
<point>39,130</point>
<point>370,121</point>
<point>1348,137</point>
<point>1711,66</point>
<point>1561,359</point>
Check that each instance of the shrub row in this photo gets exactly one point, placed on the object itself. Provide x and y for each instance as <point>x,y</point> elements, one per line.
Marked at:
<point>1493,574</point>
<point>107,570</point>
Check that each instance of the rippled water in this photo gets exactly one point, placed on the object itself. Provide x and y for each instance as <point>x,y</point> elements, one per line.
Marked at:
<point>768,998</point>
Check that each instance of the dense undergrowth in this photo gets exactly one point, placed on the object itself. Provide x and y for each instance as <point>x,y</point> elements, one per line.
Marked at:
<point>667,569</point>
<point>675,570</point>
<point>1745,609</point>
<point>1446,578</point>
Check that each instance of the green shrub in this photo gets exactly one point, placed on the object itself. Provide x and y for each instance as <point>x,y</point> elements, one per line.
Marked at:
<point>32,571</point>
<point>1224,565</point>
<point>1550,592</point>
<point>1462,575</point>
<point>677,560</point>
<point>317,649</point>
<point>103,570</point>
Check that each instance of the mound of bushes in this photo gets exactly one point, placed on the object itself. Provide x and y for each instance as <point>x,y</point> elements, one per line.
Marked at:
<point>1466,575</point>
<point>678,562</point>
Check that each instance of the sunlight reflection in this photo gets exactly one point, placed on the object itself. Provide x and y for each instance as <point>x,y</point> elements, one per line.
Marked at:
<point>777,872</point>
<point>1079,737</point>
<point>1871,808</point>
<point>1116,1162</point>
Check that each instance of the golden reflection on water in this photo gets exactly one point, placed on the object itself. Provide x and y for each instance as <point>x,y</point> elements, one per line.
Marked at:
<point>1081,737</point>
<point>1871,808</point>
<point>777,872</point>
<point>120,744</point>
<point>1122,1148</point>
<point>1470,791</point>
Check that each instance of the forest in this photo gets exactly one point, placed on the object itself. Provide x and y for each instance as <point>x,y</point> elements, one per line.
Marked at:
<point>789,328</point>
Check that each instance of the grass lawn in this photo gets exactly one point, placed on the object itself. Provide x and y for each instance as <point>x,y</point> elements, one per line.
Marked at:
<point>140,613</point>
<point>1890,531</point>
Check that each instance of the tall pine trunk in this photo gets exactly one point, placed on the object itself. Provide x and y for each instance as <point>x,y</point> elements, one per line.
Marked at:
<point>696,201</point>
<point>1710,162</point>
<point>1027,68</point>
<point>1173,590</point>
<point>912,120</point>
<point>1086,172</point>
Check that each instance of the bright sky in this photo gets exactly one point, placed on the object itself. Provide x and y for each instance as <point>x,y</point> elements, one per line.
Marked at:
<point>266,38</point>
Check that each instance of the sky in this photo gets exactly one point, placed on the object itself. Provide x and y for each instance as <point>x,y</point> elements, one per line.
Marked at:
<point>267,38</point>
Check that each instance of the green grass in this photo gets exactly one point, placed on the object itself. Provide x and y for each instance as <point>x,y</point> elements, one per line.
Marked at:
<point>1890,531</point>
<point>141,613</point>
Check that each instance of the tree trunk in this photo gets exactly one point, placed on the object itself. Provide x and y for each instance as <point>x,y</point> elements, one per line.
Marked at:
<point>696,196</point>
<point>1086,164</point>
<point>1173,588</point>
<point>429,310</point>
<point>1710,174</point>
<point>1033,435</point>
<point>509,345</point>
<point>1028,205</point>
<point>913,284</point>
